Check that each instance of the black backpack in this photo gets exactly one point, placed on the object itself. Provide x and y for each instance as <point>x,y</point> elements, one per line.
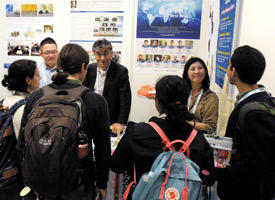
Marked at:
<point>50,165</point>
<point>264,106</point>
<point>8,155</point>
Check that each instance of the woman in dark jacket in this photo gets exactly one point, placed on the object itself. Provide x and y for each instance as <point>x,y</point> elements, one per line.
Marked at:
<point>141,144</point>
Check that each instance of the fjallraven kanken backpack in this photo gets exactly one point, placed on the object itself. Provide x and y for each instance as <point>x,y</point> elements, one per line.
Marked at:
<point>172,175</point>
<point>51,165</point>
<point>8,155</point>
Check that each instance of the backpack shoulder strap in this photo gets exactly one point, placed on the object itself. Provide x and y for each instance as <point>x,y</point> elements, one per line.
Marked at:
<point>164,138</point>
<point>264,106</point>
<point>17,105</point>
<point>189,140</point>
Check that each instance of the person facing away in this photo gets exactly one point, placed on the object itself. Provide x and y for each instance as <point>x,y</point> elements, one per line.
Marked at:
<point>49,53</point>
<point>110,79</point>
<point>22,78</point>
<point>141,144</point>
<point>202,102</point>
<point>252,162</point>
<point>72,68</point>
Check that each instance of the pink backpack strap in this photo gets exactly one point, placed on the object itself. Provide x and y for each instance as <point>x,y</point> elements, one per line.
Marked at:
<point>131,185</point>
<point>164,138</point>
<point>187,143</point>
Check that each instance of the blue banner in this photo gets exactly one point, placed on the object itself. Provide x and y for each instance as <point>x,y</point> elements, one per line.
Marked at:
<point>169,19</point>
<point>225,38</point>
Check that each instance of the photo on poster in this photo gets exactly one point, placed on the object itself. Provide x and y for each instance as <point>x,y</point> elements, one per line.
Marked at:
<point>73,4</point>
<point>48,29</point>
<point>14,34</point>
<point>173,19</point>
<point>12,10</point>
<point>149,58</point>
<point>35,49</point>
<point>17,48</point>
<point>116,56</point>
<point>107,26</point>
<point>45,10</point>
<point>166,58</point>
<point>29,10</point>
<point>141,58</point>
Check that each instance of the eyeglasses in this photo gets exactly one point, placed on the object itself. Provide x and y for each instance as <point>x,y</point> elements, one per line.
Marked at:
<point>50,52</point>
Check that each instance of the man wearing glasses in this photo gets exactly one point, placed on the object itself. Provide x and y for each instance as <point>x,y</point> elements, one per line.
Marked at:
<point>110,79</point>
<point>49,52</point>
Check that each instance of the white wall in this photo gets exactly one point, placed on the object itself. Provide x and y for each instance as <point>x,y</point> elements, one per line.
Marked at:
<point>258,30</point>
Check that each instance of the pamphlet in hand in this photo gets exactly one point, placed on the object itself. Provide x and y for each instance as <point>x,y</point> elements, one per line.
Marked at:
<point>222,149</point>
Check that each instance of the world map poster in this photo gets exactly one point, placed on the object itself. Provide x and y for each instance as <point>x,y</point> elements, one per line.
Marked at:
<point>169,19</point>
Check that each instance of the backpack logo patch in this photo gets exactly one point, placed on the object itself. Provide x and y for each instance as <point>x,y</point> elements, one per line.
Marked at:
<point>172,194</point>
<point>45,142</point>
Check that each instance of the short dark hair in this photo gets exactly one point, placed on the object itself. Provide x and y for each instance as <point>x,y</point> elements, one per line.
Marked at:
<point>102,43</point>
<point>249,64</point>
<point>206,80</point>
<point>172,95</point>
<point>47,40</point>
<point>18,71</point>
<point>70,60</point>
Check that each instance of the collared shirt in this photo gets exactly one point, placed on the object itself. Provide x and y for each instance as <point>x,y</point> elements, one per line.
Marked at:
<point>240,97</point>
<point>100,80</point>
<point>46,74</point>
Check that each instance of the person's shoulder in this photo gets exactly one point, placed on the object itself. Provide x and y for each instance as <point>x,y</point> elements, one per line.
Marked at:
<point>11,100</point>
<point>209,94</point>
<point>93,99</point>
<point>118,67</point>
<point>138,129</point>
<point>92,65</point>
<point>92,95</point>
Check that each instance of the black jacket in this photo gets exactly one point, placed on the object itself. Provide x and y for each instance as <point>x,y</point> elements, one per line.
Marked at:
<point>97,128</point>
<point>141,145</point>
<point>117,91</point>
<point>249,176</point>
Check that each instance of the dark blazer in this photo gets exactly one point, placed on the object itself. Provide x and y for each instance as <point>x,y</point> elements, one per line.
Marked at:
<point>117,91</point>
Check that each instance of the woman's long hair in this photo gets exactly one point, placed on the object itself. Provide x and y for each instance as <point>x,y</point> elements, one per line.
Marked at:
<point>70,60</point>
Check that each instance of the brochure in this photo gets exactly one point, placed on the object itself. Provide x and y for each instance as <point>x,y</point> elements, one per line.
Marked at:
<point>222,149</point>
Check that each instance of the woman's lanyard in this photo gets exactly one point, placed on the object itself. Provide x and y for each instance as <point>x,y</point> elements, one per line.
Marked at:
<point>196,103</point>
<point>258,90</point>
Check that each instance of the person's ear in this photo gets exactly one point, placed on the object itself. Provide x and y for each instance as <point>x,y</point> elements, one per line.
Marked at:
<point>84,67</point>
<point>28,80</point>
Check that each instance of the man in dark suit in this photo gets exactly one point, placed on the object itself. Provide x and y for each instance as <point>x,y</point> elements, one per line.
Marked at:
<point>111,80</point>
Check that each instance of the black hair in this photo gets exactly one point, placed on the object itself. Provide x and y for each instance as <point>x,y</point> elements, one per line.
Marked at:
<point>249,64</point>
<point>172,95</point>
<point>18,71</point>
<point>69,61</point>
<point>102,43</point>
<point>47,40</point>
<point>206,80</point>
